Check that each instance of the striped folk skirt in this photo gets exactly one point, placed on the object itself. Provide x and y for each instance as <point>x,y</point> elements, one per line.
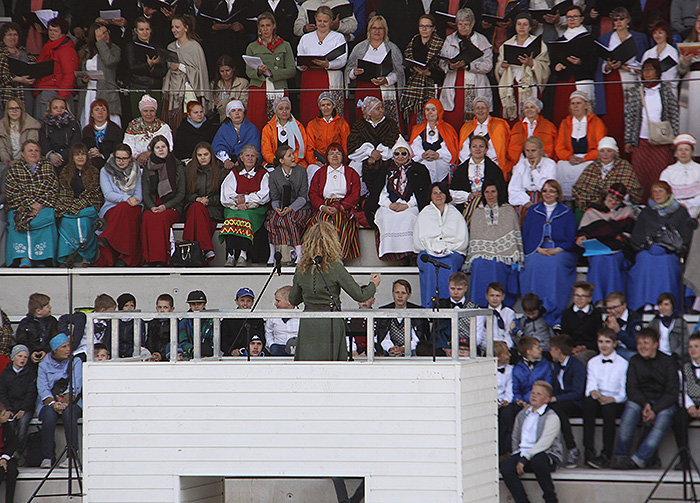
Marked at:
<point>346,227</point>
<point>242,223</point>
<point>289,229</point>
<point>648,161</point>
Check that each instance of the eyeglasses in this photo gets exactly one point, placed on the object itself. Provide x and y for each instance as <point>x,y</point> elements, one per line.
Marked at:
<point>612,308</point>
<point>581,296</point>
<point>619,19</point>
<point>574,17</point>
<point>377,28</point>
<point>396,154</point>
<point>425,26</point>
<point>122,158</point>
<point>12,109</point>
<point>550,191</point>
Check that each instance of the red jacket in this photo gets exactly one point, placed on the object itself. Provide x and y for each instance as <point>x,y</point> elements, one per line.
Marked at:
<point>62,52</point>
<point>318,183</point>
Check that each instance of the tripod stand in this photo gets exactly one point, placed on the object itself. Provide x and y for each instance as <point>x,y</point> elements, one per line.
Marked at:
<point>69,451</point>
<point>684,455</point>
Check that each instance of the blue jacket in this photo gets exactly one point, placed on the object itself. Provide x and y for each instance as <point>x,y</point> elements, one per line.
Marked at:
<point>228,143</point>
<point>574,381</point>
<point>563,225</point>
<point>51,371</point>
<point>523,379</point>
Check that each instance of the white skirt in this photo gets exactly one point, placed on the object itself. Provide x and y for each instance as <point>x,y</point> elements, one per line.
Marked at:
<point>395,229</point>
<point>568,174</point>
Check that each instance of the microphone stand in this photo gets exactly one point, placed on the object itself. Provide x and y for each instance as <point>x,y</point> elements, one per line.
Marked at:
<point>684,454</point>
<point>333,304</point>
<point>276,268</point>
<point>69,450</point>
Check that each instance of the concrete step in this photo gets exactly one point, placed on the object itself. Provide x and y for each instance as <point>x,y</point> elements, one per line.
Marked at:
<point>55,490</point>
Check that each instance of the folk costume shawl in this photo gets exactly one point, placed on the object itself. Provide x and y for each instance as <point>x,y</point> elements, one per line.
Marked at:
<point>446,131</point>
<point>591,184</point>
<point>613,228</point>
<point>419,88</point>
<point>440,234</point>
<point>495,235</point>
<point>25,187</point>
<point>191,76</point>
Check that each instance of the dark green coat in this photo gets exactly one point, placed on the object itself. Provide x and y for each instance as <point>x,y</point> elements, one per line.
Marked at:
<point>314,341</point>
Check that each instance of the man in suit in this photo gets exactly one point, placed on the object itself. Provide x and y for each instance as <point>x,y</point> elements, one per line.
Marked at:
<point>569,384</point>
<point>390,333</point>
<point>624,323</point>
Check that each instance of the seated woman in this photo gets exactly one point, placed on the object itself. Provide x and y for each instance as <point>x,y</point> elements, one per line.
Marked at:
<point>517,82</point>
<point>434,142</point>
<point>683,176</point>
<point>334,192</point>
<point>235,132</point>
<point>529,175</point>
<point>283,129</point>
<point>141,131</point>
<point>650,102</point>
<point>661,227</point>
<point>289,198</point>
<point>59,132</point>
<point>441,234</point>
<point>495,131</point>
<point>532,124</point>
<point>463,82</point>
<point>370,141</point>
<point>195,129</point>
<point>226,86</point>
<point>203,210</point>
<point>609,168</point>
<point>101,135</point>
<point>549,235</point>
<point>79,200</point>
<point>244,193</point>
<point>31,190</point>
<point>379,50</point>
<point>120,180</point>
<point>577,141</point>
<point>495,246</point>
<point>611,223</point>
<point>327,128</point>
<point>469,177</point>
<point>403,196</point>
<point>16,127</point>
<point>163,183</point>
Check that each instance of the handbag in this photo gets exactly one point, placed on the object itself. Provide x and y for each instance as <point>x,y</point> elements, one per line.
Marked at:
<point>660,133</point>
<point>188,254</point>
<point>668,238</point>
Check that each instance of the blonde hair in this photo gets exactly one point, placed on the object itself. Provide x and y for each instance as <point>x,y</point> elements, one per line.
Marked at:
<point>381,20</point>
<point>284,291</point>
<point>322,240</point>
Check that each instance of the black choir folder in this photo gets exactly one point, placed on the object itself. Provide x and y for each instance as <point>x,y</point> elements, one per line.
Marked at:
<point>469,53</point>
<point>32,70</point>
<point>578,47</point>
<point>340,11</point>
<point>623,52</point>
<point>511,53</point>
<point>334,54</point>
<point>375,70</point>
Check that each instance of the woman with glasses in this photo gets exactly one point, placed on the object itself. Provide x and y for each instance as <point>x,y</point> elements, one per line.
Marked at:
<point>609,220</point>
<point>120,180</point>
<point>14,86</point>
<point>334,193</point>
<point>572,72</point>
<point>619,75</point>
<point>16,127</point>
<point>377,49</point>
<point>464,82</point>
<point>549,235</point>
<point>665,52</point>
<point>403,195</point>
<point>422,57</point>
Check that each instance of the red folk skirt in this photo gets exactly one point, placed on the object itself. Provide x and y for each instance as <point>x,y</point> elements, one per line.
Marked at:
<point>199,226</point>
<point>316,81</point>
<point>455,117</point>
<point>257,106</point>
<point>121,238</point>
<point>648,161</point>
<point>346,227</point>
<point>614,117</point>
<point>155,235</point>
<point>561,100</point>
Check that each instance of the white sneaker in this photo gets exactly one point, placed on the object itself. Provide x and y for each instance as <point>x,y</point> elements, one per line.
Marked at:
<point>230,261</point>
<point>241,262</point>
<point>209,255</point>
<point>46,463</point>
<point>64,464</point>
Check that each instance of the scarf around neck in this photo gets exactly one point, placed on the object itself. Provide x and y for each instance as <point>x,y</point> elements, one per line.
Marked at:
<point>667,208</point>
<point>165,170</point>
<point>124,179</point>
<point>59,120</point>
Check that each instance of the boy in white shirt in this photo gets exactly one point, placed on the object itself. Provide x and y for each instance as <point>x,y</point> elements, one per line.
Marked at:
<point>605,396</point>
<point>502,318</point>
<point>506,411</point>
<point>279,330</point>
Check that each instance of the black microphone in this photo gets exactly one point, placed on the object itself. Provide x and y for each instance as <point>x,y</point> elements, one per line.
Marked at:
<point>436,263</point>
<point>318,260</point>
<point>99,224</point>
<point>278,263</point>
<point>693,223</point>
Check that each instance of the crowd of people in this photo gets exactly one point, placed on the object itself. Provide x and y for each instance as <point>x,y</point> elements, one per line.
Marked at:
<point>502,141</point>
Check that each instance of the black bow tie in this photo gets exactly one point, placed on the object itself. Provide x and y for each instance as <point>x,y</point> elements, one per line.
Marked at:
<point>458,304</point>
<point>607,361</point>
<point>285,320</point>
<point>621,322</point>
<point>502,370</point>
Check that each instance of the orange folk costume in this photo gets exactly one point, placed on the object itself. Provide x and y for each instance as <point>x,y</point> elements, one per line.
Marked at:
<point>320,134</point>
<point>439,168</point>
<point>545,130</point>
<point>595,130</point>
<point>269,142</point>
<point>498,132</point>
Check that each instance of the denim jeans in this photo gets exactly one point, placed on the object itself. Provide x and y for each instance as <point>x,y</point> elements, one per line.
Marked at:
<point>49,418</point>
<point>630,419</point>
<point>20,428</point>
